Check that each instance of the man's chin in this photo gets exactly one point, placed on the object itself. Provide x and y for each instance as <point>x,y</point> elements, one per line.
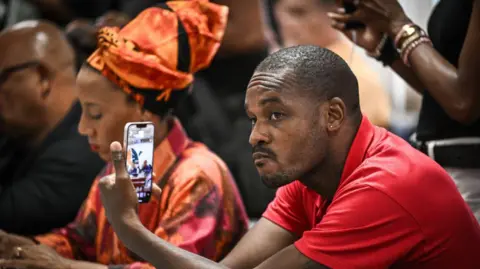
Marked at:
<point>275,181</point>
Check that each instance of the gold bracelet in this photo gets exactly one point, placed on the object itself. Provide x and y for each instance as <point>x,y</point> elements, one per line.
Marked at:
<point>406,31</point>
<point>404,44</point>
<point>412,46</point>
<point>407,35</point>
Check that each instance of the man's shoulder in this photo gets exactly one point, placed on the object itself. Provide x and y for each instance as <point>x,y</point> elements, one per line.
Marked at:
<point>406,175</point>
<point>392,165</point>
<point>393,157</point>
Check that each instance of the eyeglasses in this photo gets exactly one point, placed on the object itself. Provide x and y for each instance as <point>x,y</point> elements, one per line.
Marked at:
<point>7,72</point>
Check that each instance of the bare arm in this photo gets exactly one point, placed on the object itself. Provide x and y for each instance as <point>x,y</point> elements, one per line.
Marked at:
<point>265,240</point>
<point>407,74</point>
<point>265,246</point>
<point>456,90</point>
<point>261,242</point>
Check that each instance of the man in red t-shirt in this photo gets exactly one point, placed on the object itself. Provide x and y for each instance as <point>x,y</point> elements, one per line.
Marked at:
<point>363,199</point>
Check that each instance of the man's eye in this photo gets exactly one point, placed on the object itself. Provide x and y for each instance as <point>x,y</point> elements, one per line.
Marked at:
<point>253,121</point>
<point>275,116</point>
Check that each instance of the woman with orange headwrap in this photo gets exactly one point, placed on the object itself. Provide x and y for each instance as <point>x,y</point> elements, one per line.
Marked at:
<point>141,73</point>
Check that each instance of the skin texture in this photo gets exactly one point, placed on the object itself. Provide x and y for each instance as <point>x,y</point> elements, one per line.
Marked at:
<point>301,22</point>
<point>455,89</point>
<point>304,22</point>
<point>242,34</point>
<point>44,89</point>
<point>276,120</point>
<point>103,122</point>
<point>298,133</point>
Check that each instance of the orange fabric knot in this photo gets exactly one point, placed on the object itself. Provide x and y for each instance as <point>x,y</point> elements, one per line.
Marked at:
<point>144,53</point>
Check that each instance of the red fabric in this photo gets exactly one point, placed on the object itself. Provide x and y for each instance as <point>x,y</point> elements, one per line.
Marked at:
<point>200,209</point>
<point>394,207</point>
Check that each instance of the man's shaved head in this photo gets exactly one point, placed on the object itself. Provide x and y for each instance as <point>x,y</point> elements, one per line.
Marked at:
<point>35,40</point>
<point>303,103</point>
<point>317,71</point>
<point>37,79</point>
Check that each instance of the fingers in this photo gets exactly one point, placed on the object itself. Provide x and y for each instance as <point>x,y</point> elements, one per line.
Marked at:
<point>107,181</point>
<point>339,26</point>
<point>340,17</point>
<point>118,159</point>
<point>156,191</point>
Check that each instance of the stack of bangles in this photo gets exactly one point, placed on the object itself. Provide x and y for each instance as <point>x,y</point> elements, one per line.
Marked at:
<point>406,41</point>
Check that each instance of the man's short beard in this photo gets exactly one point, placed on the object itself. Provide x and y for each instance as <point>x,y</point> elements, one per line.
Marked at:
<point>276,180</point>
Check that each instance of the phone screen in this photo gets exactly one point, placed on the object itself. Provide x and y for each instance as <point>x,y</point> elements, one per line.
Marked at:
<point>140,158</point>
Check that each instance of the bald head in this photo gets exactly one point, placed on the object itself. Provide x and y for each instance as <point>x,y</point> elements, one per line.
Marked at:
<point>35,41</point>
<point>316,71</point>
<point>37,77</point>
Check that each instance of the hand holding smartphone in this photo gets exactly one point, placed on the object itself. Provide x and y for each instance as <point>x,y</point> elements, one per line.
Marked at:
<point>139,145</point>
<point>350,7</point>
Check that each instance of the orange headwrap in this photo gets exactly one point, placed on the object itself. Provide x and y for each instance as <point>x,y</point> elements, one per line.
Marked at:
<point>157,53</point>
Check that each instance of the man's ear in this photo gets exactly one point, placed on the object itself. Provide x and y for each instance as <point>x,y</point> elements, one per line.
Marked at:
<point>336,114</point>
<point>45,77</point>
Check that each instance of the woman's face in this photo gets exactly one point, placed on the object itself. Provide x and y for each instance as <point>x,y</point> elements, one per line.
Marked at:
<point>105,111</point>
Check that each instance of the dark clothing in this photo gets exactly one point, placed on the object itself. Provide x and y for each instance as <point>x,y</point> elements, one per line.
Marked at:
<point>221,123</point>
<point>42,189</point>
<point>447,28</point>
<point>90,8</point>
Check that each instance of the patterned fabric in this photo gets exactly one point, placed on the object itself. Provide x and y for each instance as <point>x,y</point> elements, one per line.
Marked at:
<point>200,209</point>
<point>158,52</point>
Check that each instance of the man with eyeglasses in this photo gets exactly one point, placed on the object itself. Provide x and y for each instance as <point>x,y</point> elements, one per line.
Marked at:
<point>42,185</point>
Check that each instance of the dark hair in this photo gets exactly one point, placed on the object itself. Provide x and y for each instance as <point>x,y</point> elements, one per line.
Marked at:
<point>84,42</point>
<point>319,71</point>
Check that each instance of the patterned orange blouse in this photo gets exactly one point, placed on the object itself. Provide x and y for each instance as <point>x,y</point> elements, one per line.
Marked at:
<point>200,209</point>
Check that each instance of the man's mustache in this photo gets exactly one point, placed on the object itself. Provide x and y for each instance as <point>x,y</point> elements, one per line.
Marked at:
<point>264,150</point>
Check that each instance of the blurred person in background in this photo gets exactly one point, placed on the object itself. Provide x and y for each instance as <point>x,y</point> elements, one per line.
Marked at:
<point>42,185</point>
<point>214,114</point>
<point>442,66</point>
<point>304,22</point>
<point>141,73</point>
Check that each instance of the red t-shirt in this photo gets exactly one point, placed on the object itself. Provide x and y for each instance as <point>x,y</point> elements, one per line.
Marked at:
<point>394,207</point>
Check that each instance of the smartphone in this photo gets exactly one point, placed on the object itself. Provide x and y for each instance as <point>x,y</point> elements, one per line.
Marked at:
<point>138,141</point>
<point>350,7</point>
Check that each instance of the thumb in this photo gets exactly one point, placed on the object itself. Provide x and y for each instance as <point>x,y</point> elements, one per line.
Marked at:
<point>118,159</point>
<point>156,191</point>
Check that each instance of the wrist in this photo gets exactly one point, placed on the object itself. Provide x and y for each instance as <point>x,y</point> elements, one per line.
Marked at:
<point>128,223</point>
<point>397,25</point>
